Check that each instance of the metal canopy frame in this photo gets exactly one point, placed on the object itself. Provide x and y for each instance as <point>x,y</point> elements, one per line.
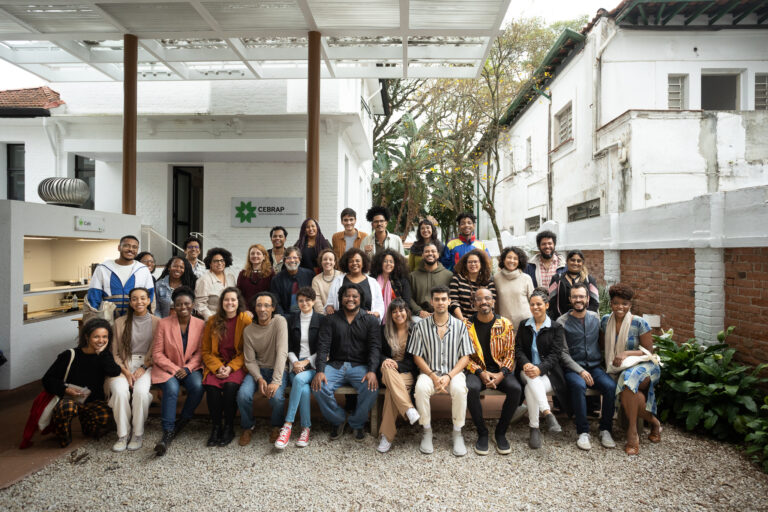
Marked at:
<point>82,40</point>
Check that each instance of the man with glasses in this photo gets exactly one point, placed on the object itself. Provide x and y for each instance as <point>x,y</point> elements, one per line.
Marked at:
<point>583,367</point>
<point>380,239</point>
<point>277,235</point>
<point>287,282</point>
<point>192,249</point>
<point>113,280</point>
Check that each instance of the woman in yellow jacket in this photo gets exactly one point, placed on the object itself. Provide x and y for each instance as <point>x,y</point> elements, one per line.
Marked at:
<point>223,363</point>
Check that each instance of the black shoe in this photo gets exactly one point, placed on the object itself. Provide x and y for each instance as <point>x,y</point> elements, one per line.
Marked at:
<point>502,445</point>
<point>337,430</point>
<point>227,435</point>
<point>215,437</point>
<point>162,446</point>
<point>359,434</point>
<point>534,438</point>
<point>180,424</point>
<point>481,446</point>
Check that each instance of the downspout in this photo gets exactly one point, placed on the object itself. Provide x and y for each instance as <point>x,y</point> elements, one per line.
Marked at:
<point>549,158</point>
<point>597,77</point>
<point>53,139</point>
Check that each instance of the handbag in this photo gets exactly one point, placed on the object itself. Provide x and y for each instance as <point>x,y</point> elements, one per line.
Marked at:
<point>631,361</point>
<point>45,417</point>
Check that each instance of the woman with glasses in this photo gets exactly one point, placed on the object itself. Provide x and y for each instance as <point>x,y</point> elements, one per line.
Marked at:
<point>473,271</point>
<point>210,285</point>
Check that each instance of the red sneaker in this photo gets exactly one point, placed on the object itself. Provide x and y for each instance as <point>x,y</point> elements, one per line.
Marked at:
<point>303,438</point>
<point>284,437</point>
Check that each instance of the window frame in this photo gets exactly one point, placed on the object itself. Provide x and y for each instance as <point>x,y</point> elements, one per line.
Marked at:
<point>590,208</point>
<point>13,172</point>
<point>561,136</point>
<point>683,91</point>
<point>761,89</point>
<point>82,173</point>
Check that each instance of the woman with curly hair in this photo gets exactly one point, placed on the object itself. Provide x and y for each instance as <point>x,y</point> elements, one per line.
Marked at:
<point>425,233</point>
<point>473,271</point>
<point>321,283</point>
<point>355,266</point>
<point>560,285</point>
<point>223,361</point>
<point>390,271</point>
<point>311,242</point>
<point>624,335</point>
<point>256,276</point>
<point>213,281</point>
<point>177,272</point>
<point>513,286</point>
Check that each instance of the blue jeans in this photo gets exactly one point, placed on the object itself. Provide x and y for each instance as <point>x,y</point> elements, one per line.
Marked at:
<point>194,385</point>
<point>351,376</point>
<point>299,397</point>
<point>578,388</point>
<point>245,399</point>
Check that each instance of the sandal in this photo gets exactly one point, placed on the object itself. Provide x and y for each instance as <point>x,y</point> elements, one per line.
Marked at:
<point>632,448</point>
<point>655,435</point>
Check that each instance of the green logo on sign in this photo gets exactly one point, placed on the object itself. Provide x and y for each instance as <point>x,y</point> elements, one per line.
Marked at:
<point>245,212</point>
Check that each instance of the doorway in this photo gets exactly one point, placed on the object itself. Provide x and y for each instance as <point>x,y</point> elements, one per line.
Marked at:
<point>720,92</point>
<point>187,202</point>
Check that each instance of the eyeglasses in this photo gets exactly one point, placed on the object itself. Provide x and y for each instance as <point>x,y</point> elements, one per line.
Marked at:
<point>217,261</point>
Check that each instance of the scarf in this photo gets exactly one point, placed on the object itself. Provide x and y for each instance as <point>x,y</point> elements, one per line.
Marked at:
<point>615,343</point>
<point>387,293</point>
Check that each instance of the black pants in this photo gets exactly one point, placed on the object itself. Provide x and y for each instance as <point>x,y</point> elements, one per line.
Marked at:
<point>222,399</point>
<point>509,385</point>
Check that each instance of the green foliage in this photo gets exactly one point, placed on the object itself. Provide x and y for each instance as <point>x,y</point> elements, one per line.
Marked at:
<point>604,307</point>
<point>703,388</point>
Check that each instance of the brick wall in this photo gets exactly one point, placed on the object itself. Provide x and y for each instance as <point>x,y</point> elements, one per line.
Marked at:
<point>746,302</point>
<point>595,265</point>
<point>663,280</point>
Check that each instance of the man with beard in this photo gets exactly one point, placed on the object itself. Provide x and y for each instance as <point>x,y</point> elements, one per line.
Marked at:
<point>583,367</point>
<point>466,241</point>
<point>277,234</point>
<point>429,274</point>
<point>380,239</point>
<point>113,280</point>
<point>288,281</point>
<point>544,265</point>
<point>348,347</point>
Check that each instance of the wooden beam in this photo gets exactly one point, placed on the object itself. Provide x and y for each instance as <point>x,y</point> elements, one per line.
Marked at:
<point>746,12</point>
<point>679,7</point>
<point>725,10</point>
<point>660,13</point>
<point>643,16</point>
<point>130,65</point>
<point>313,125</point>
<point>698,12</point>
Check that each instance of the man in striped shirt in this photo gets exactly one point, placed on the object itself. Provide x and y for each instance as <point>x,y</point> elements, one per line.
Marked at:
<point>441,348</point>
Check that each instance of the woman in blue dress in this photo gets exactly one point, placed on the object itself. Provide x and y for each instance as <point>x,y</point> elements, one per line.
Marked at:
<point>625,335</point>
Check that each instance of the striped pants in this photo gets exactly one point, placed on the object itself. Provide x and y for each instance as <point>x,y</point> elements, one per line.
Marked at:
<point>94,418</point>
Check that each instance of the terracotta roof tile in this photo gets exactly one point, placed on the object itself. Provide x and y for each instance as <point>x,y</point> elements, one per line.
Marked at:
<point>37,97</point>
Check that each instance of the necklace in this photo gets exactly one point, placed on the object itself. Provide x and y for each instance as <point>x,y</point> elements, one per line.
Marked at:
<point>332,277</point>
<point>443,324</point>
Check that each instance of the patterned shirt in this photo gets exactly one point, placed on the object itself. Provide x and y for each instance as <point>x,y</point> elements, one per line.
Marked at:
<point>502,345</point>
<point>441,355</point>
<point>547,273</point>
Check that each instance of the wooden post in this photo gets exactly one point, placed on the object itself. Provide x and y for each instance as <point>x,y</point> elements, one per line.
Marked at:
<point>130,63</point>
<point>313,126</point>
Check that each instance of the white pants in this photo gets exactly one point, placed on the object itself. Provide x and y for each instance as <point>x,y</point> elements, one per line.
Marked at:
<point>536,391</point>
<point>130,412</point>
<point>425,388</point>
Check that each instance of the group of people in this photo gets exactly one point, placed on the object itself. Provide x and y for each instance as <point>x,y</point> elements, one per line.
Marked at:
<point>316,316</point>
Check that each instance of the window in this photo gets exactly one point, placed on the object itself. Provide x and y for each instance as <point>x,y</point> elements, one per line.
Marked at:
<point>85,169</point>
<point>533,223</point>
<point>15,171</point>
<point>563,126</point>
<point>584,210</point>
<point>528,159</point>
<point>761,92</point>
<point>719,92</point>
<point>676,92</point>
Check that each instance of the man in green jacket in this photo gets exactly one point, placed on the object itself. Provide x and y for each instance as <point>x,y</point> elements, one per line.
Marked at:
<point>430,273</point>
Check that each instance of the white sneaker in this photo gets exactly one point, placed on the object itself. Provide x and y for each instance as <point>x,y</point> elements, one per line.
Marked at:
<point>426,442</point>
<point>459,449</point>
<point>384,445</point>
<point>606,440</point>
<point>583,442</point>
<point>121,444</point>
<point>413,415</point>
<point>136,442</point>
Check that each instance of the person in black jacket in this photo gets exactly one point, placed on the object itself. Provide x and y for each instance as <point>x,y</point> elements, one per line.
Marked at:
<point>286,283</point>
<point>81,388</point>
<point>303,328</point>
<point>539,347</point>
<point>561,284</point>
<point>390,270</point>
<point>398,372</point>
<point>348,354</point>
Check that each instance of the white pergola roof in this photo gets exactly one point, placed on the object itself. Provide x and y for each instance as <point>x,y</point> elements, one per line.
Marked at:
<point>74,40</point>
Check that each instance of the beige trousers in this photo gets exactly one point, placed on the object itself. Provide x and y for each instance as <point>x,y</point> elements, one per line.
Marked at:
<point>130,407</point>
<point>425,388</point>
<point>397,399</point>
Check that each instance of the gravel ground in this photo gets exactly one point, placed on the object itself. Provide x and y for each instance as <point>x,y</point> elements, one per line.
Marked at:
<point>683,472</point>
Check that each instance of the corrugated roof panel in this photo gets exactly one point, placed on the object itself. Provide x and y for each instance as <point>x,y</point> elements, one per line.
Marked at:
<point>157,17</point>
<point>356,13</point>
<point>60,18</point>
<point>263,14</point>
<point>477,14</point>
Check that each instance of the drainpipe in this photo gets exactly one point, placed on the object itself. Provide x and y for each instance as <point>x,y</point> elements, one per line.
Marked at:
<point>549,158</point>
<point>597,76</point>
<point>53,139</point>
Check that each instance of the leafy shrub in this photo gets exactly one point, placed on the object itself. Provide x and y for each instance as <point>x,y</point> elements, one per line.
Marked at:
<point>757,439</point>
<point>704,389</point>
<point>604,307</point>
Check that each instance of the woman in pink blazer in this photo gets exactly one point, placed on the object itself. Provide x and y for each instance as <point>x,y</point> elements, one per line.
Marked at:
<point>177,361</point>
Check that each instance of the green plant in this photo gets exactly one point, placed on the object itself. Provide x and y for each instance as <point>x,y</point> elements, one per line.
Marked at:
<point>757,439</point>
<point>703,388</point>
<point>604,306</point>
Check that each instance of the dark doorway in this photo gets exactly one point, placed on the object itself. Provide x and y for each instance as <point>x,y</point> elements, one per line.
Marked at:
<point>719,92</point>
<point>187,202</point>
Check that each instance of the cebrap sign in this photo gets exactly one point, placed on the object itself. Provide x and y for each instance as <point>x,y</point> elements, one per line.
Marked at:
<point>265,212</point>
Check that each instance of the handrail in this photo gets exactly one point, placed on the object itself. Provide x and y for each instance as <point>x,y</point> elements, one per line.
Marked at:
<point>152,230</point>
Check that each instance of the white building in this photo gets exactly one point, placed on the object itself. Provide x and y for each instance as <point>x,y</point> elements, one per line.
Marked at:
<point>636,115</point>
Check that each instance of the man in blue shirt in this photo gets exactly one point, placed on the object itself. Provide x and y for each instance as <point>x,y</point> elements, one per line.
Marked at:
<point>583,367</point>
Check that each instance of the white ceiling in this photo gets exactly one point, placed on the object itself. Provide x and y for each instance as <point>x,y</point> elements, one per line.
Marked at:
<point>76,40</point>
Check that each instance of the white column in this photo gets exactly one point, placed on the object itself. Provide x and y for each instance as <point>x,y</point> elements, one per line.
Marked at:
<point>611,267</point>
<point>709,300</point>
